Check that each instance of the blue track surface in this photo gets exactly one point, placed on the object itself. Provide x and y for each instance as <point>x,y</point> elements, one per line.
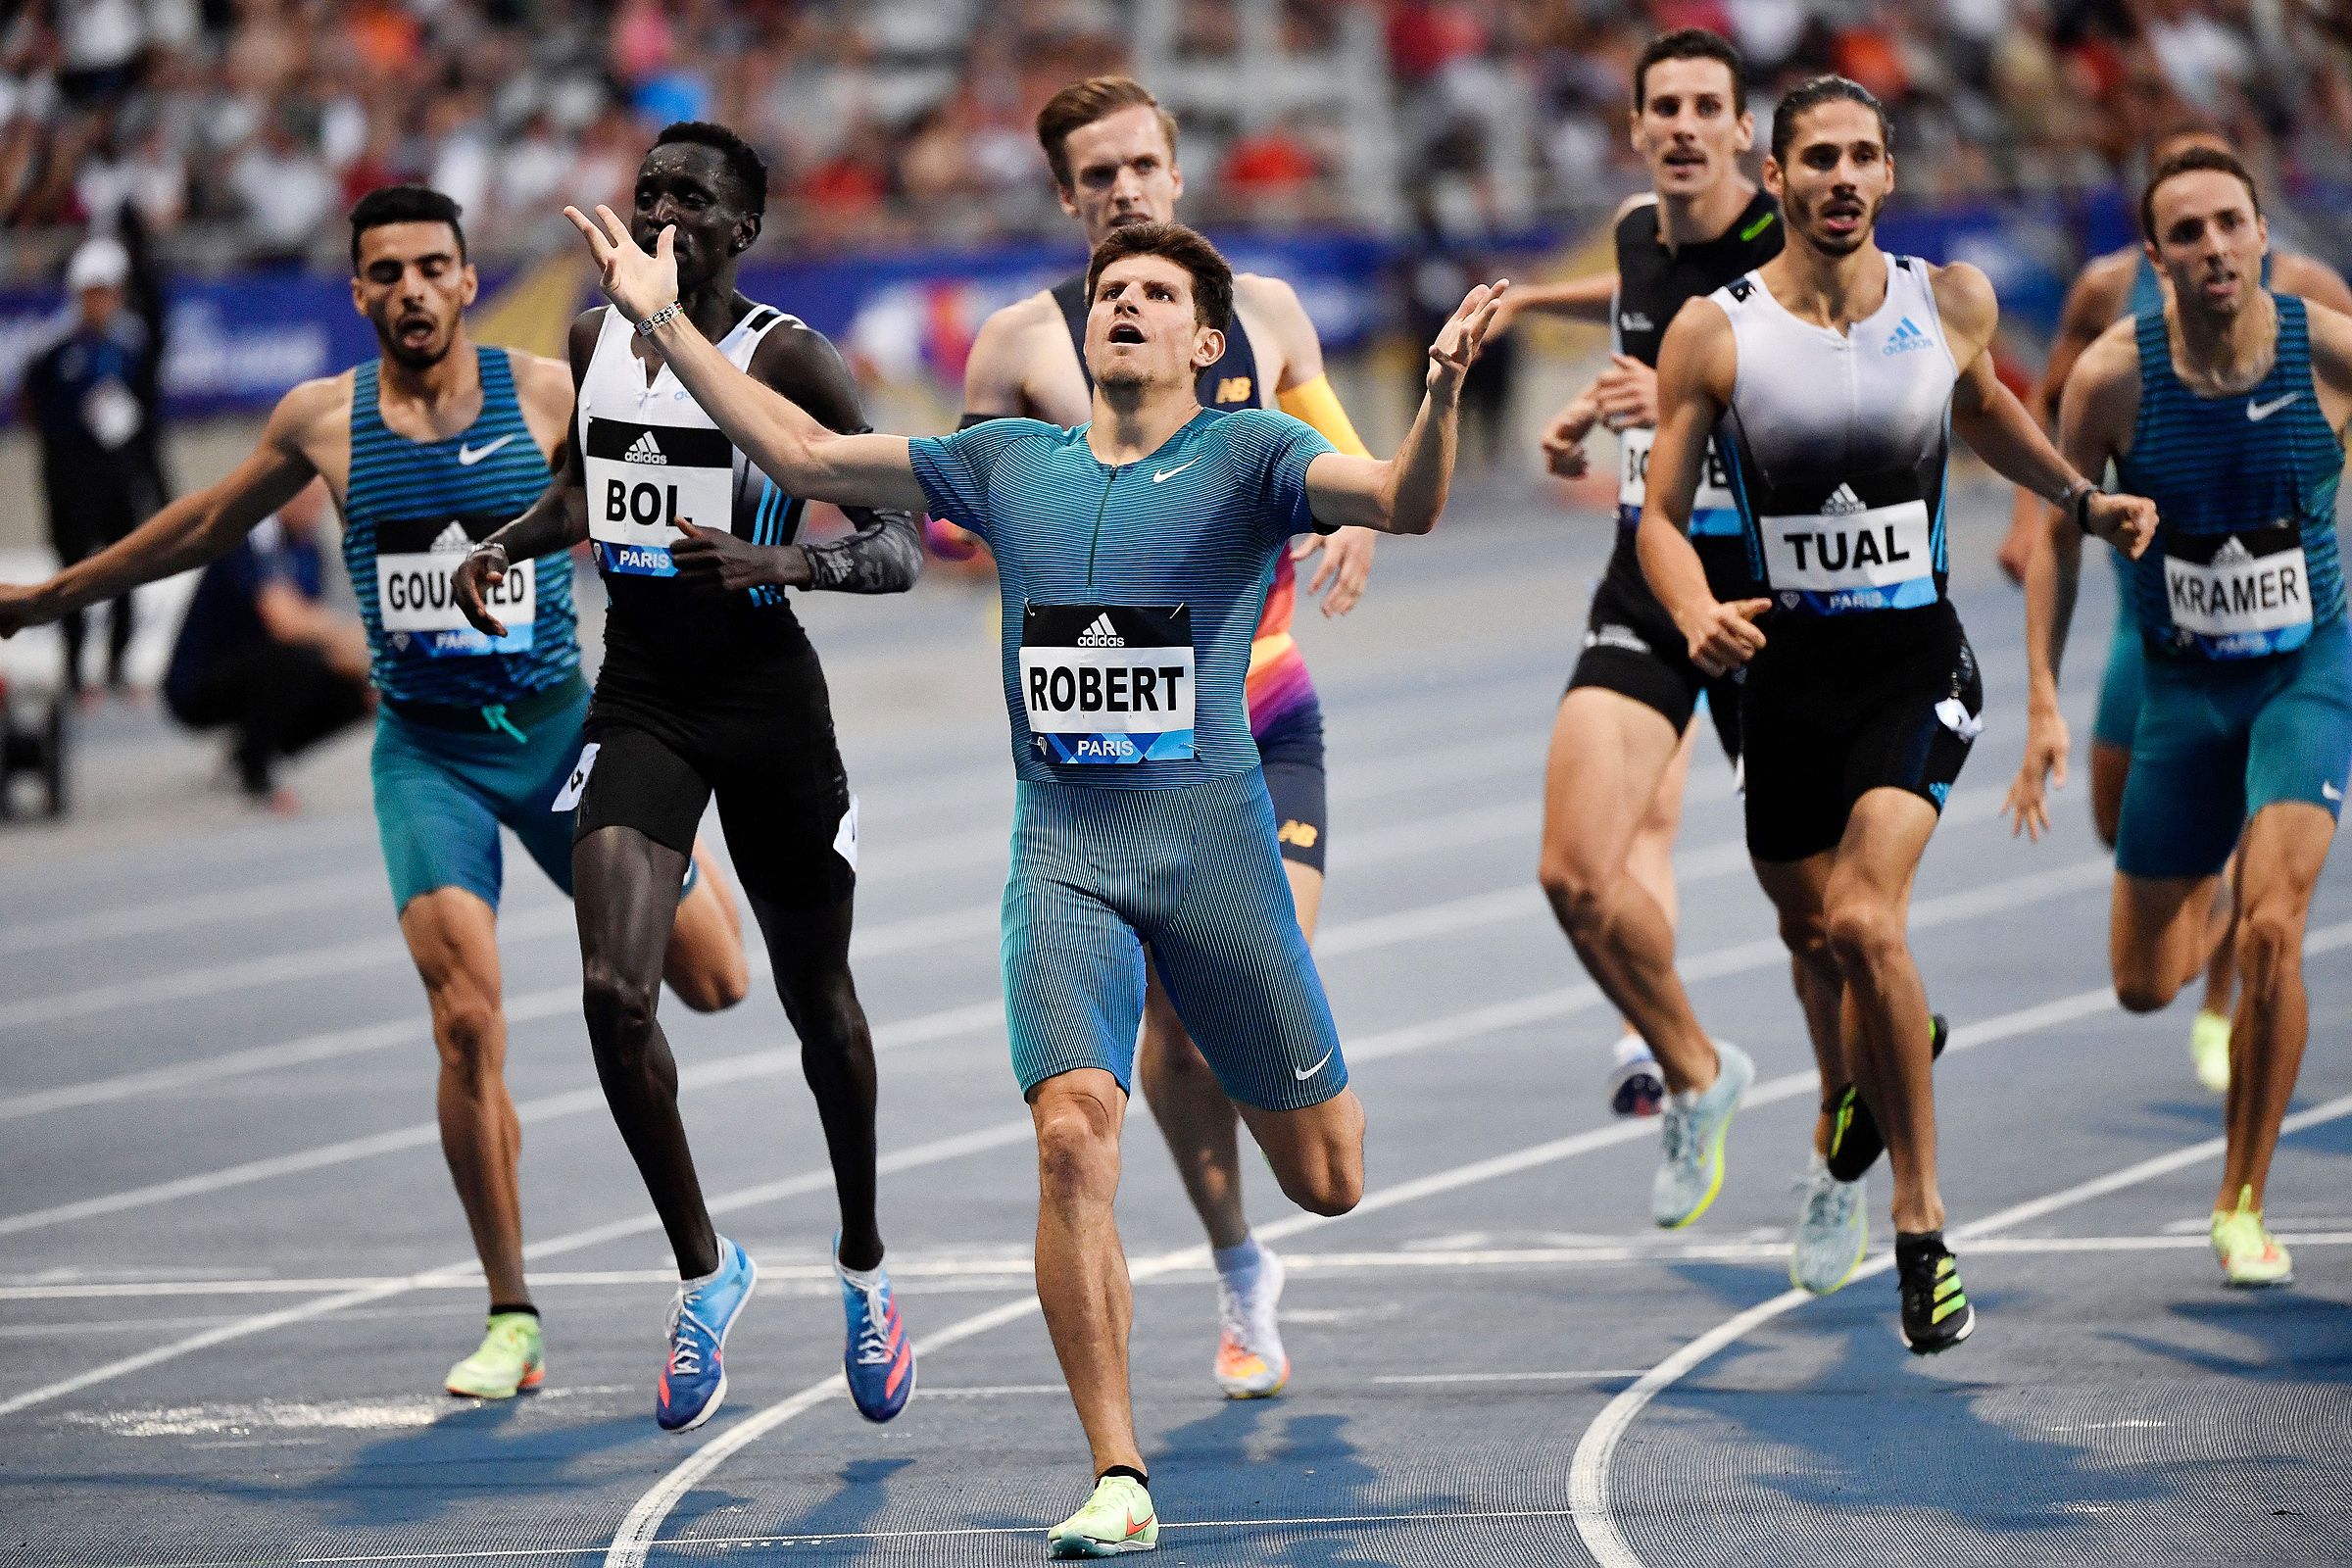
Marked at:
<point>232,1271</point>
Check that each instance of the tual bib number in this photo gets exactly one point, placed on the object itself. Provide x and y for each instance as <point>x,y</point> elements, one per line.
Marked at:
<point>2240,595</point>
<point>416,604</point>
<point>642,480</point>
<point>1852,558</point>
<point>1714,513</point>
<point>1108,684</point>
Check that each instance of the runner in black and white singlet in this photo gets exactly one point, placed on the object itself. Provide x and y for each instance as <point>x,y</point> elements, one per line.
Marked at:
<point>710,688</point>
<point>1831,379</point>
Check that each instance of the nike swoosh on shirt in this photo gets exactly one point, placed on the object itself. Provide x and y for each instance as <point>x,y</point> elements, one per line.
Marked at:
<point>1302,1074</point>
<point>467,455</point>
<point>2262,411</point>
<point>1171,473</point>
<point>2330,791</point>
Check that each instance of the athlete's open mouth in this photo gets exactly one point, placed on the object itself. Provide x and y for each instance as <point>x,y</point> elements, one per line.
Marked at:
<point>1126,332</point>
<point>1685,158</point>
<point>1842,218</point>
<point>414,330</point>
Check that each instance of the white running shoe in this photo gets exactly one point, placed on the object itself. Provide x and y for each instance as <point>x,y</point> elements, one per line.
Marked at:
<point>1251,1363</point>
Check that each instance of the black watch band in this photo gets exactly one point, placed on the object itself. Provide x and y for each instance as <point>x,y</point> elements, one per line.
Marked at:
<point>2077,503</point>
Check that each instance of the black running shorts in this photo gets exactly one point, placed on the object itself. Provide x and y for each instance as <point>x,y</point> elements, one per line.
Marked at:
<point>1632,647</point>
<point>1831,713</point>
<point>1291,752</point>
<point>765,747</point>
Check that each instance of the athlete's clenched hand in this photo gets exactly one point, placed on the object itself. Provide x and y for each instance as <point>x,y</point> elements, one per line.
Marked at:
<point>1564,437</point>
<point>1726,636</point>
<point>709,558</point>
<point>1458,340</point>
<point>2043,769</point>
<point>1627,393</point>
<point>484,567</point>
<point>636,283</point>
<point>16,610</point>
<point>2128,522</point>
<point>1346,563</point>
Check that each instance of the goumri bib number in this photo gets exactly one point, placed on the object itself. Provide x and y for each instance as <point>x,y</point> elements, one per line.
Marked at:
<point>1108,684</point>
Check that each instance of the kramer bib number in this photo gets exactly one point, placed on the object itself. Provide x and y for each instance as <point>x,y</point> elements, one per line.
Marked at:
<point>2249,595</point>
<point>1108,683</point>
<point>642,479</point>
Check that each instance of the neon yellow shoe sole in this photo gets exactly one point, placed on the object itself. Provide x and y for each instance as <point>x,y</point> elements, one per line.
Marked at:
<point>511,1359</point>
<point>1116,1520</point>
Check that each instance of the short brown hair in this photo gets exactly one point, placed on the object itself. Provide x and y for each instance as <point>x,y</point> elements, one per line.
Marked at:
<point>1081,104</point>
<point>2186,161</point>
<point>1211,273</point>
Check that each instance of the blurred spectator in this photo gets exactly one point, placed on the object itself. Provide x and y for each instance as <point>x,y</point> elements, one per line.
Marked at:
<point>91,398</point>
<point>262,656</point>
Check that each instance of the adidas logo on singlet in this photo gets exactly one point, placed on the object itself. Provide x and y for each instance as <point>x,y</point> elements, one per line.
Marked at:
<point>1906,337</point>
<point>2234,552</point>
<point>1842,503</point>
<point>643,450</point>
<point>451,541</point>
<point>1102,634</point>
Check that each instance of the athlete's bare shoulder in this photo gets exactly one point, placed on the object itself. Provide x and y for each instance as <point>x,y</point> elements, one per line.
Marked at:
<point>1018,348</point>
<point>1963,298</point>
<point>2101,396</point>
<point>312,412</point>
<point>2331,335</point>
<point>1699,352</point>
<point>2312,279</point>
<point>1274,312</point>
<point>2104,287</point>
<point>543,386</point>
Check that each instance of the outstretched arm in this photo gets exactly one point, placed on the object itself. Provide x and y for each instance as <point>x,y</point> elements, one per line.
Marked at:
<point>1697,362</point>
<point>1406,493</point>
<point>190,531</point>
<point>778,435</point>
<point>1306,393</point>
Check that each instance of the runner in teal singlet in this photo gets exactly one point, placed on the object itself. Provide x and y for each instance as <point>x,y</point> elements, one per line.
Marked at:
<point>426,449</point>
<point>1134,554</point>
<point>2229,408</point>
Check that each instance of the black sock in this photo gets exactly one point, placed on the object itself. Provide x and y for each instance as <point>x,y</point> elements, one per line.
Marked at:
<point>498,1308</point>
<point>1909,1244</point>
<point>1129,1471</point>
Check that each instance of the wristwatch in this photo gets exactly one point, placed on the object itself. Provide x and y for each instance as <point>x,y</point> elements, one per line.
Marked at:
<point>2077,501</point>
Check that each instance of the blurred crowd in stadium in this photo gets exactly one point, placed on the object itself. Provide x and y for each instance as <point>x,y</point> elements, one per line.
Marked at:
<point>239,129</point>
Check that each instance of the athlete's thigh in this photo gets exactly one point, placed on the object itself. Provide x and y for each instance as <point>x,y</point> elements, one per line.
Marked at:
<point>452,936</point>
<point>1799,893</point>
<point>625,900</point>
<point>1916,740</point>
<point>1878,857</point>
<point>538,785</point>
<point>1237,965</point>
<point>807,946</point>
<point>1609,754</point>
<point>2158,928</point>
<point>1794,800</point>
<point>2300,746</point>
<point>1073,970</point>
<point>1306,894</point>
<point>643,782</point>
<point>2280,861</point>
<point>2185,798</point>
<point>437,830</point>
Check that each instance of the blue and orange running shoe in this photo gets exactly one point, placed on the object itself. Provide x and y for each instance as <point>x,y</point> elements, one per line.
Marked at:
<point>693,1378</point>
<point>879,1358</point>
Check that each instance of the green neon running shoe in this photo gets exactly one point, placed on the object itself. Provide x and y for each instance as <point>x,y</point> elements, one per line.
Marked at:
<point>2208,1050</point>
<point>1117,1519</point>
<point>510,1360</point>
<point>1935,1312</point>
<point>1832,1231</point>
<point>1691,1173</point>
<point>2250,1255</point>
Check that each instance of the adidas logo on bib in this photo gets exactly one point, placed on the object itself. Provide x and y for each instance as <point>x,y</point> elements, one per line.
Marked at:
<point>1905,337</point>
<point>643,450</point>
<point>451,540</point>
<point>1842,503</point>
<point>1102,634</point>
<point>2234,552</point>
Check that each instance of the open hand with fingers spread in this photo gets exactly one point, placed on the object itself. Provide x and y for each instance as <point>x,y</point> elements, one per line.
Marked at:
<point>636,283</point>
<point>1458,340</point>
<point>2027,805</point>
<point>1347,561</point>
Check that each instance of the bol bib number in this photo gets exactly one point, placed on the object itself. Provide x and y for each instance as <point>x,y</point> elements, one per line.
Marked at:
<point>642,480</point>
<point>416,605</point>
<point>1714,513</point>
<point>2240,595</point>
<point>1838,561</point>
<point>1108,684</point>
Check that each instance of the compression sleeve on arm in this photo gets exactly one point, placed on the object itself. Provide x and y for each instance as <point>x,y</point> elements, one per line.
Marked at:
<point>1319,406</point>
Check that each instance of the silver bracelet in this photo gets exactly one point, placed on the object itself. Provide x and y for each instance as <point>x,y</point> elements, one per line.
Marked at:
<point>492,544</point>
<point>661,317</point>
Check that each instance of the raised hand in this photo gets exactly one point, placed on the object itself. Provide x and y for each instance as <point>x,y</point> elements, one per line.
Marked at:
<point>2128,522</point>
<point>636,283</point>
<point>1458,340</point>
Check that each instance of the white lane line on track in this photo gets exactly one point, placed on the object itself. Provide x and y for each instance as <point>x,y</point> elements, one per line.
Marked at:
<point>1381,930</point>
<point>1596,1450</point>
<point>208,909</point>
<point>1392,1043</point>
<point>641,1526</point>
<point>1015,1272</point>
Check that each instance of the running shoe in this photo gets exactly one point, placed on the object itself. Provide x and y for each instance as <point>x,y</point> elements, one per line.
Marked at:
<point>693,1378</point>
<point>1697,1121</point>
<point>879,1358</point>
<point>1832,1231</point>
<point>1636,1086</point>
<point>1855,1141</point>
<point>1935,1312</point>
<point>510,1359</point>
<point>2208,1050</point>
<point>1117,1519</point>
<point>1251,1363</point>
<point>2250,1255</point>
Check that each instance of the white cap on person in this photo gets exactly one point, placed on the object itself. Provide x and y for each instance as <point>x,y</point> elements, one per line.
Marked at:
<point>98,263</point>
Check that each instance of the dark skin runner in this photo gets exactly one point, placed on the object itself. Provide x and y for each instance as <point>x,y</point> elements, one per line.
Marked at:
<point>627,884</point>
